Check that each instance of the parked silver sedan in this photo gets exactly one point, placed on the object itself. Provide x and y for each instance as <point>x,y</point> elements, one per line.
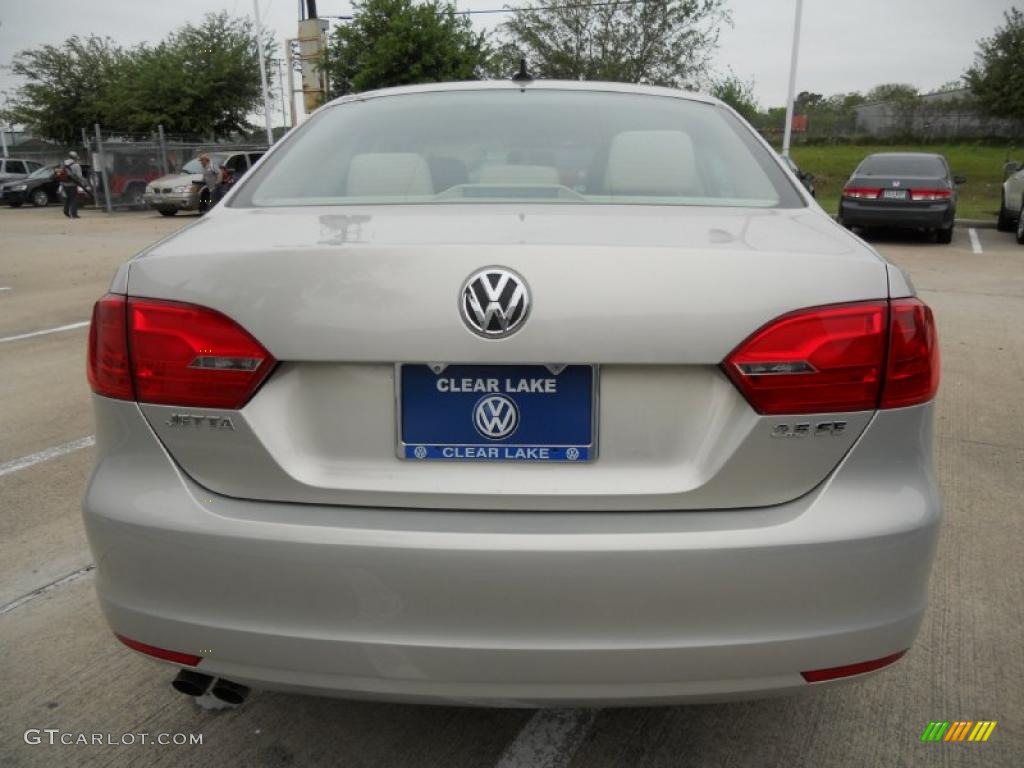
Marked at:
<point>519,394</point>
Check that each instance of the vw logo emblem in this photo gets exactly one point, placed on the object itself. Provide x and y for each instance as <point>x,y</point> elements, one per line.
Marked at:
<point>495,416</point>
<point>494,302</point>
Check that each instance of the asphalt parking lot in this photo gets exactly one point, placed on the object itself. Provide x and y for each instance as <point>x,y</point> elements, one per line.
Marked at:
<point>60,667</point>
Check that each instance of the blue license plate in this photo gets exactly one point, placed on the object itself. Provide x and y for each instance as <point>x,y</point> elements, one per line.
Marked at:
<point>497,413</point>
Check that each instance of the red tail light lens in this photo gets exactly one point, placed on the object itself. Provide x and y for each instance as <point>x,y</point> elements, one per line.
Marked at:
<point>866,193</point>
<point>931,194</point>
<point>912,374</point>
<point>108,367</point>
<point>847,357</point>
<point>169,353</point>
<point>814,361</point>
<point>187,355</point>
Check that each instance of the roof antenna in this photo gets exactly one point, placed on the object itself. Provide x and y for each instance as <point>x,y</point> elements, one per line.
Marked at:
<point>522,76</point>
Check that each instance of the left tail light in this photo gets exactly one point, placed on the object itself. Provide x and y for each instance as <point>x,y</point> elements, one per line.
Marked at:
<point>171,353</point>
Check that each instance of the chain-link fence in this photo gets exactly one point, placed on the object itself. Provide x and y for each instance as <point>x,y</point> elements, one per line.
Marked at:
<point>119,166</point>
<point>122,165</point>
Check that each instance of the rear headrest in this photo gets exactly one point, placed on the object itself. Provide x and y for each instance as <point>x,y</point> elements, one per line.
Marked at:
<point>388,174</point>
<point>652,163</point>
<point>519,174</point>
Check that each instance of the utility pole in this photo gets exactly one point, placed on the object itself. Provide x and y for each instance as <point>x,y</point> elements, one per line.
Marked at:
<point>792,79</point>
<point>280,89</point>
<point>263,71</point>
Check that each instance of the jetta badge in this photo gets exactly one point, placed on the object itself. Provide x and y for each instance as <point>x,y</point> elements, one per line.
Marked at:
<point>494,302</point>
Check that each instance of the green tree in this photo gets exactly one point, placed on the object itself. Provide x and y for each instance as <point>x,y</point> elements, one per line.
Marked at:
<point>202,79</point>
<point>66,85</point>
<point>669,42</point>
<point>401,42</point>
<point>806,100</point>
<point>738,94</point>
<point>997,77</point>
<point>903,102</point>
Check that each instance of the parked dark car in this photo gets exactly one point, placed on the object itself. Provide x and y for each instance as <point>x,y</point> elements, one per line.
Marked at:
<point>902,189</point>
<point>807,179</point>
<point>40,188</point>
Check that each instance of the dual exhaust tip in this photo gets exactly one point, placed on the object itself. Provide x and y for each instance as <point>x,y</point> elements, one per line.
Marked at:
<point>196,684</point>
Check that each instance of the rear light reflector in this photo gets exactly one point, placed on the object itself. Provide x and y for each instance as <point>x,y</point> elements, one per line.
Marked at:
<point>931,194</point>
<point>844,357</point>
<point>169,353</point>
<point>108,368</point>
<point>161,653</point>
<point>848,670</point>
<point>866,193</point>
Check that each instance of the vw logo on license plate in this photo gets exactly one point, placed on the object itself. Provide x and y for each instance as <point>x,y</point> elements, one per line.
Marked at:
<point>495,416</point>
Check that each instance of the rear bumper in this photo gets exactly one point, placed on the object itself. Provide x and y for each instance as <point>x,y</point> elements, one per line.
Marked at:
<point>517,608</point>
<point>896,214</point>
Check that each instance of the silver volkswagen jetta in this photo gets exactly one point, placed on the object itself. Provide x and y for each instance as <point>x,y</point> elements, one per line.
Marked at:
<point>514,394</point>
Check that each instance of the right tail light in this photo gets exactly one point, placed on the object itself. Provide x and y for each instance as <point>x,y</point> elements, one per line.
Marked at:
<point>844,357</point>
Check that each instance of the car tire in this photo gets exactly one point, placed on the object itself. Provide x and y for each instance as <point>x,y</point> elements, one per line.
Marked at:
<point>1020,225</point>
<point>167,211</point>
<point>40,199</point>
<point>1005,221</point>
<point>842,221</point>
<point>944,236</point>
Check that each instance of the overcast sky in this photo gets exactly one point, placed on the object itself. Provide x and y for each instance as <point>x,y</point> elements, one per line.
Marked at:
<point>846,45</point>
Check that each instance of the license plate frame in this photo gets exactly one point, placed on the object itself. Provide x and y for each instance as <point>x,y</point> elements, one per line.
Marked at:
<point>508,451</point>
<point>894,194</point>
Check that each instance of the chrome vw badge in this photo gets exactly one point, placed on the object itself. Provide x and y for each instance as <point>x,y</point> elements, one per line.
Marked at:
<point>495,416</point>
<point>494,302</point>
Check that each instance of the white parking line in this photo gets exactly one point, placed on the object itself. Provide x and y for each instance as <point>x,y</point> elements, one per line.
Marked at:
<point>45,331</point>
<point>45,455</point>
<point>5,287</point>
<point>549,740</point>
<point>45,588</point>
<point>975,242</point>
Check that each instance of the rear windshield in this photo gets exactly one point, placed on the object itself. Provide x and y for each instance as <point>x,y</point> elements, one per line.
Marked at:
<point>902,165</point>
<point>541,146</point>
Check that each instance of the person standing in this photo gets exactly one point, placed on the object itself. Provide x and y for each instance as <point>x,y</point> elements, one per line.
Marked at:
<point>70,182</point>
<point>211,179</point>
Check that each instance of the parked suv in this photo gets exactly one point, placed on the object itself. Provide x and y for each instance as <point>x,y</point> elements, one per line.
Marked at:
<point>11,168</point>
<point>185,191</point>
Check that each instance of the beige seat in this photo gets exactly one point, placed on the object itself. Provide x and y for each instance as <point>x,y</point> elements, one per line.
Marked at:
<point>653,163</point>
<point>543,175</point>
<point>388,174</point>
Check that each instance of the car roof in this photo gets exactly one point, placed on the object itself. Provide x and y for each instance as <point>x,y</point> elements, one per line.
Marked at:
<point>905,154</point>
<point>594,86</point>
